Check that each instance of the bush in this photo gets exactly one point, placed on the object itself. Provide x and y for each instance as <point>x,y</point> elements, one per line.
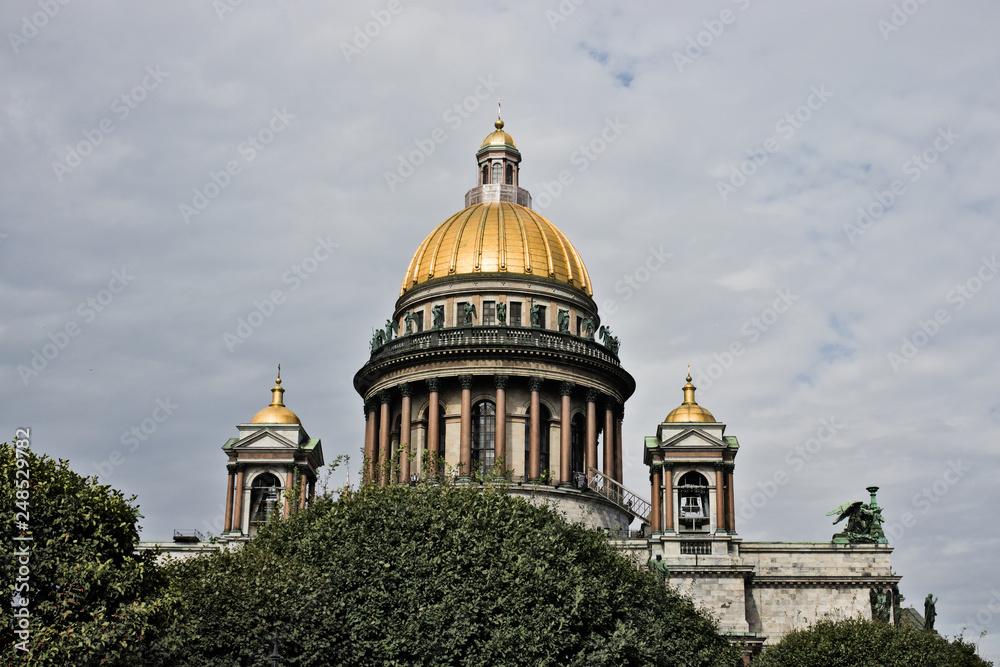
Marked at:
<point>861,643</point>
<point>433,576</point>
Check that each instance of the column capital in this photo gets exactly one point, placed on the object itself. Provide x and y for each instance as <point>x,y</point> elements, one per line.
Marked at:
<point>240,467</point>
<point>433,384</point>
<point>465,381</point>
<point>719,465</point>
<point>730,466</point>
<point>231,468</point>
<point>501,381</point>
<point>290,467</point>
<point>385,396</point>
<point>593,395</point>
<point>535,383</point>
<point>405,389</point>
<point>566,388</point>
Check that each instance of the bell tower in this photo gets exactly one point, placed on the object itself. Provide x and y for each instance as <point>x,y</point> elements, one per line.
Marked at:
<point>272,456</point>
<point>691,465</point>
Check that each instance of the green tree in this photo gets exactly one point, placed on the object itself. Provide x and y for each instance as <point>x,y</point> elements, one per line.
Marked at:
<point>90,597</point>
<point>431,575</point>
<point>860,643</point>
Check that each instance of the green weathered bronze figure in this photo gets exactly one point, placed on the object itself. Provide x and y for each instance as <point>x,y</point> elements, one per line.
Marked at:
<point>864,522</point>
<point>502,314</point>
<point>930,612</point>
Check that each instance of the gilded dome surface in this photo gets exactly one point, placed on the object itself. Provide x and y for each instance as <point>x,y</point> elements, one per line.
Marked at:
<point>689,411</point>
<point>276,412</point>
<point>497,238</point>
<point>498,137</point>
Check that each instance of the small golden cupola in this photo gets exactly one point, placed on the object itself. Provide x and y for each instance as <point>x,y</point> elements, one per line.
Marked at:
<point>689,411</point>
<point>276,412</point>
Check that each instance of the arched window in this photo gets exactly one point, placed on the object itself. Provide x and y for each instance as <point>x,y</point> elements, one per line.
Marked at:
<point>497,173</point>
<point>486,175</point>
<point>263,499</point>
<point>510,174</point>
<point>543,443</point>
<point>692,493</point>
<point>484,426</point>
<point>576,442</point>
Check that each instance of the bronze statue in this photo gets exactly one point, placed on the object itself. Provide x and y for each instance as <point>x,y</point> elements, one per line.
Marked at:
<point>563,321</point>
<point>390,328</point>
<point>437,312</point>
<point>659,568</point>
<point>588,328</point>
<point>610,342</point>
<point>864,522</point>
<point>502,314</point>
<point>536,316</point>
<point>409,322</point>
<point>470,312</point>
<point>880,605</point>
<point>930,612</point>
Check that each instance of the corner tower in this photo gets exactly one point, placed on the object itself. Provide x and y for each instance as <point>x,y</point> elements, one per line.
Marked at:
<point>490,364</point>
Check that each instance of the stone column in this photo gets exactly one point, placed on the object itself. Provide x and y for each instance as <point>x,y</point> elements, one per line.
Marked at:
<point>535,431</point>
<point>405,433</point>
<point>730,499</point>
<point>609,440</point>
<point>565,428</point>
<point>655,493</point>
<point>286,503</point>
<point>720,500</point>
<point>619,415</point>
<point>500,438</point>
<point>383,439</point>
<point>591,461</point>
<point>433,424</point>
<point>302,491</point>
<point>465,457</point>
<point>230,477</point>
<point>668,500</point>
<point>371,444</point>
<point>238,512</point>
<point>312,490</point>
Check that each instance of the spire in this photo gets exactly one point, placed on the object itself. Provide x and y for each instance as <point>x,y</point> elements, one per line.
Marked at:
<point>499,122</point>
<point>689,391</point>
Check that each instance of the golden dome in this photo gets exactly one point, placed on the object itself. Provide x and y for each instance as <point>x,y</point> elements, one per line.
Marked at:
<point>497,238</point>
<point>689,410</point>
<point>276,413</point>
<point>498,137</point>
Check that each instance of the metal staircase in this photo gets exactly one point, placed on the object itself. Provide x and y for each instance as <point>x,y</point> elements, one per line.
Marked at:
<point>624,498</point>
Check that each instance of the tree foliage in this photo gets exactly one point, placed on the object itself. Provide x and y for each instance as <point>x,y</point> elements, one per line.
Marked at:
<point>863,643</point>
<point>432,575</point>
<point>89,595</point>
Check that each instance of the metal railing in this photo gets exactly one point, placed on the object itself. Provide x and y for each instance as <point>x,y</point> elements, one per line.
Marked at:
<point>188,536</point>
<point>496,335</point>
<point>625,498</point>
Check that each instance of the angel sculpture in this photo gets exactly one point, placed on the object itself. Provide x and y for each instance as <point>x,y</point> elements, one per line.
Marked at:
<point>864,522</point>
<point>470,312</point>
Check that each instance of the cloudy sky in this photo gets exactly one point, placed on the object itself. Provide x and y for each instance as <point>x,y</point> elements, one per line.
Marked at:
<point>799,199</point>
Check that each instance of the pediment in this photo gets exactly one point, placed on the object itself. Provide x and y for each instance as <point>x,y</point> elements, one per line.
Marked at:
<point>693,437</point>
<point>265,439</point>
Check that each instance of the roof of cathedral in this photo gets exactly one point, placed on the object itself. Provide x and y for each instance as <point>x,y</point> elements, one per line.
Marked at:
<point>689,410</point>
<point>498,137</point>
<point>276,412</point>
<point>497,238</point>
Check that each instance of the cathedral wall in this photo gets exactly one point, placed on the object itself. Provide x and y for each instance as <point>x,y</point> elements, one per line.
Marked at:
<point>817,559</point>
<point>720,595</point>
<point>591,509</point>
<point>774,610</point>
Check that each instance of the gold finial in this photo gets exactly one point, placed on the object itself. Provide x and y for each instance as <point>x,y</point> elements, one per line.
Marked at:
<point>689,390</point>
<point>499,123</point>
<point>279,371</point>
<point>277,390</point>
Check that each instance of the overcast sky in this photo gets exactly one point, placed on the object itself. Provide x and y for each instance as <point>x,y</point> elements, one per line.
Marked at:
<point>799,199</point>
